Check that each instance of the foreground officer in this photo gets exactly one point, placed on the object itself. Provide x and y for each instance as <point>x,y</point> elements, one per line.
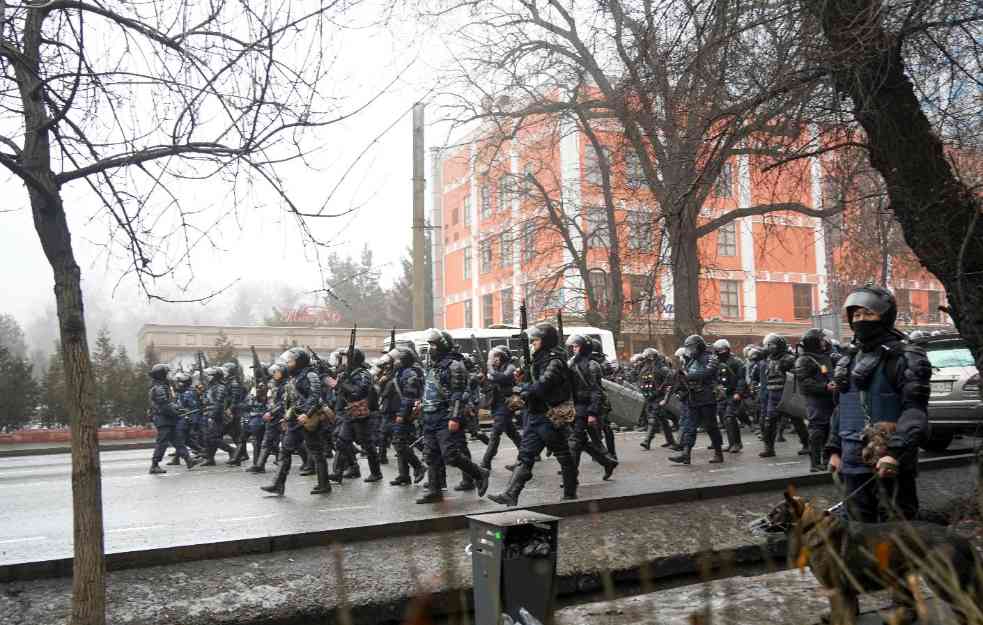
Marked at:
<point>549,411</point>
<point>588,401</point>
<point>190,414</point>
<point>407,389</point>
<point>273,416</point>
<point>498,386</point>
<point>303,405</point>
<point>733,380</point>
<point>355,402</point>
<point>443,433</point>
<point>698,377</point>
<point>814,375</point>
<point>653,378</point>
<point>882,381</point>
<point>779,362</point>
<point>165,415</point>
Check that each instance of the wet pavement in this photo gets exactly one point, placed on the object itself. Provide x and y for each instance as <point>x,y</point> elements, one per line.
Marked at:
<point>223,503</point>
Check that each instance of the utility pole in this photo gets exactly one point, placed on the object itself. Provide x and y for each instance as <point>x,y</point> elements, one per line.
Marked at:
<point>419,224</point>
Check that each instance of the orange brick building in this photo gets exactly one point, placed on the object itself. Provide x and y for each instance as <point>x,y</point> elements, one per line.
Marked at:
<point>760,274</point>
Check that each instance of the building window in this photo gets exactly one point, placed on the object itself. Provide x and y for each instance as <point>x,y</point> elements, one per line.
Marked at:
<point>190,339</point>
<point>597,226</point>
<point>466,209</point>
<point>934,301</point>
<point>485,201</point>
<point>802,300</point>
<point>725,181</point>
<point>727,239</point>
<point>485,255</point>
<point>641,294</point>
<point>528,241</point>
<point>467,262</point>
<point>505,249</point>
<point>640,231</point>
<point>508,315</point>
<point>730,299</point>
<point>528,176</point>
<point>504,192</point>
<point>634,174</point>
<point>468,318</point>
<point>456,215</point>
<point>903,297</point>
<point>592,165</point>
<point>599,288</point>
<point>553,299</point>
<point>487,310</point>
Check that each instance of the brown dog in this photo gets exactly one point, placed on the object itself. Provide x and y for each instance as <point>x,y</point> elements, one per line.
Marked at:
<point>850,559</point>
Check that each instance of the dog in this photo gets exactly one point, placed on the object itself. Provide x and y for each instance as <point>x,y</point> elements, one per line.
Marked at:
<point>850,559</point>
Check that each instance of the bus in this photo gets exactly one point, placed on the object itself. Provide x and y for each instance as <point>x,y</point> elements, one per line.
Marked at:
<point>501,335</point>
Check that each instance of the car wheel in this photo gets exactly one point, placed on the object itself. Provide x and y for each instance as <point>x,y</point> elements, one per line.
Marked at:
<point>938,442</point>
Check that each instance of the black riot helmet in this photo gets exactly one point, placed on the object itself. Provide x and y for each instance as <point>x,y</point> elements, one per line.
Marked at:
<point>650,353</point>
<point>585,344</point>
<point>439,344</point>
<point>814,340</point>
<point>159,372</point>
<point>547,335</point>
<point>182,381</point>
<point>775,344</point>
<point>277,367</point>
<point>875,298</point>
<point>231,369</point>
<point>212,375</point>
<point>721,347</point>
<point>296,359</point>
<point>403,356</point>
<point>755,353</point>
<point>694,345</point>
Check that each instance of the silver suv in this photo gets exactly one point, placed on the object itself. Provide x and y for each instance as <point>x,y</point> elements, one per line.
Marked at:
<point>955,406</point>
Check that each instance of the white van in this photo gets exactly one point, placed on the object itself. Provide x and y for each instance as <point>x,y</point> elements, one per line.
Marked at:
<point>502,335</point>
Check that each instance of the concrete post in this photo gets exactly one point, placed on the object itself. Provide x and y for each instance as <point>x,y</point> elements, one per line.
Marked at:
<point>419,223</point>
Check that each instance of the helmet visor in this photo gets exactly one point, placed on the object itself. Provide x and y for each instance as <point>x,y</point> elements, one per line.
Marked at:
<point>867,299</point>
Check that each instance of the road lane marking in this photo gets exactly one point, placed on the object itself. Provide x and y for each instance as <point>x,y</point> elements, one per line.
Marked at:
<point>22,540</point>
<point>344,509</point>
<point>136,529</point>
<point>723,470</point>
<point>248,518</point>
<point>785,464</point>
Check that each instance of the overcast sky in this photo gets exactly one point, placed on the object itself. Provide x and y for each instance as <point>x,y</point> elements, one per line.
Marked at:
<point>380,186</point>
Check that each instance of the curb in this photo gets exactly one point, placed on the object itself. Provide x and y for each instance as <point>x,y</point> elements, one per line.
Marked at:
<point>48,451</point>
<point>267,544</point>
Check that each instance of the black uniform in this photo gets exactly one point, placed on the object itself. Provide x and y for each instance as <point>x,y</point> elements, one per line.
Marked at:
<point>653,378</point>
<point>588,399</point>
<point>697,386</point>
<point>356,388</point>
<point>216,410</point>
<point>733,382</point>
<point>497,390</point>
<point>400,394</point>
<point>776,367</point>
<point>813,373</point>
<point>164,412</point>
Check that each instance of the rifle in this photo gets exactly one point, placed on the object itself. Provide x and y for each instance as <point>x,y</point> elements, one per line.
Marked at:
<point>481,356</point>
<point>260,374</point>
<point>204,359</point>
<point>523,337</point>
<point>392,340</point>
<point>351,352</point>
<point>322,367</point>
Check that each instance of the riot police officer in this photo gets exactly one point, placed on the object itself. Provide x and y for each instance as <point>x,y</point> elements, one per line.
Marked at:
<point>444,388</point>
<point>498,389</point>
<point>881,380</point>
<point>273,416</point>
<point>814,375</point>
<point>588,401</point>
<point>653,381</point>
<point>779,362</point>
<point>756,359</point>
<point>301,422</point>
<point>217,413</point>
<point>238,427</point>
<point>190,414</point>
<point>165,415</point>
<point>355,403</point>
<point>549,411</point>
<point>697,380</point>
<point>407,389</point>
<point>733,382</point>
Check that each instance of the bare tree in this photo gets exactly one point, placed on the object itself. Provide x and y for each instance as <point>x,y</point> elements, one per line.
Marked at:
<point>691,86</point>
<point>128,107</point>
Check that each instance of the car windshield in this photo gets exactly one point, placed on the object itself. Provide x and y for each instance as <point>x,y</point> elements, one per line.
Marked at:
<point>950,357</point>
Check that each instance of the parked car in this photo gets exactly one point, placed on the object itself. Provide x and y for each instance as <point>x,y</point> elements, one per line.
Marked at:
<point>955,406</point>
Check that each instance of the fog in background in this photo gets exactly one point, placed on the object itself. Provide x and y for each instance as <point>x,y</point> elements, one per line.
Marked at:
<point>260,261</point>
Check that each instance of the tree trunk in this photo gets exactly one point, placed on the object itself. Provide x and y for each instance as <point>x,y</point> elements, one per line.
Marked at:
<point>939,215</point>
<point>88,574</point>
<point>685,261</point>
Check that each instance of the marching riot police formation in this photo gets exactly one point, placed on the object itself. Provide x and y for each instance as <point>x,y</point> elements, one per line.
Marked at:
<point>551,398</point>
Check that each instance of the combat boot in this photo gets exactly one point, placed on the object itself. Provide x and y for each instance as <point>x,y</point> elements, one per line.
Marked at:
<point>354,471</point>
<point>280,482</point>
<point>308,467</point>
<point>323,484</point>
<point>419,469</point>
<point>190,462</point>
<point>734,443</point>
<point>510,497</point>
<point>375,473</point>
<point>338,468</point>
<point>816,446</point>
<point>403,467</point>
<point>718,456</point>
<point>432,494</point>
<point>683,457</point>
<point>768,436</point>
<point>570,482</point>
<point>609,468</point>
<point>259,464</point>
<point>155,469</point>
<point>649,435</point>
<point>466,485</point>
<point>384,456</point>
<point>174,461</point>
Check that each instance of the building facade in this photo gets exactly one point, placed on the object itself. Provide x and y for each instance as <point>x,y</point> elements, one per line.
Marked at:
<point>492,250</point>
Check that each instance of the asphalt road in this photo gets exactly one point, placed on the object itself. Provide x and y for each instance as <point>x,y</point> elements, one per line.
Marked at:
<point>211,504</point>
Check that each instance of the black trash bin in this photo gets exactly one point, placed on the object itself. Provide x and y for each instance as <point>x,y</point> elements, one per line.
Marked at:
<point>513,556</point>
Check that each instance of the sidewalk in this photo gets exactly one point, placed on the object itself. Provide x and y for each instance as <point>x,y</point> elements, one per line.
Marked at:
<point>12,450</point>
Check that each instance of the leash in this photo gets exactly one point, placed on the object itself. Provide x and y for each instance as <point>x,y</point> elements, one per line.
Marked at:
<point>839,506</point>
